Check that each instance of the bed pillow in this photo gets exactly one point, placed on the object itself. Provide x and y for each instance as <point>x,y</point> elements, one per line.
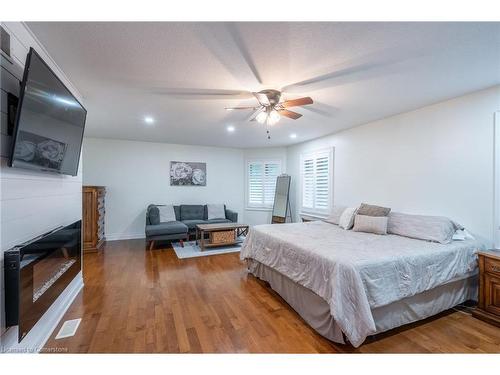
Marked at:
<point>346,220</point>
<point>372,210</point>
<point>462,235</point>
<point>334,217</point>
<point>216,211</point>
<point>167,213</point>
<point>370,224</point>
<point>429,228</point>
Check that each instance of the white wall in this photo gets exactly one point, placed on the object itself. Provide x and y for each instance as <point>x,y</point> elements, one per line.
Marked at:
<point>436,160</point>
<point>496,173</point>
<point>137,173</point>
<point>32,203</point>
<point>255,216</point>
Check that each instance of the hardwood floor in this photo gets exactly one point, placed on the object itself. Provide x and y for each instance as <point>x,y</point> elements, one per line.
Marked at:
<point>136,300</point>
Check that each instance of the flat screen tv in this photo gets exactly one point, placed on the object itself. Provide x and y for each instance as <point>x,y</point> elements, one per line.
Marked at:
<point>49,123</point>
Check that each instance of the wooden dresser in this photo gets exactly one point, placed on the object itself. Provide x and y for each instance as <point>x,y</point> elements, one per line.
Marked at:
<point>93,218</point>
<point>488,308</point>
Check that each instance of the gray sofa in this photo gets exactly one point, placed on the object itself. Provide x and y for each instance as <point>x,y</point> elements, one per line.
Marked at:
<point>187,217</point>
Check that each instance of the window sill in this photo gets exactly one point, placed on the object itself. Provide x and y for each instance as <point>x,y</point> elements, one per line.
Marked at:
<point>258,209</point>
<point>313,215</point>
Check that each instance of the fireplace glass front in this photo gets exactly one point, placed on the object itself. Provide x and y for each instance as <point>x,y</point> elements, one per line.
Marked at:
<point>47,266</point>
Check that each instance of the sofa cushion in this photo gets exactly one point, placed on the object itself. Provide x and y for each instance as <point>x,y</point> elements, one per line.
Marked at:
<point>216,211</point>
<point>167,213</point>
<point>177,210</point>
<point>191,224</point>
<point>154,215</point>
<point>192,212</point>
<point>232,216</point>
<point>172,227</point>
<point>217,221</point>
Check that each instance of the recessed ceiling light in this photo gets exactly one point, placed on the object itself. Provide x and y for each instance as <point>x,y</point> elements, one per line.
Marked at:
<point>149,120</point>
<point>293,135</point>
<point>230,128</point>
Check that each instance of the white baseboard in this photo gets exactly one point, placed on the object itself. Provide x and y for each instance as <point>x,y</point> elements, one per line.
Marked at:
<point>35,340</point>
<point>124,236</point>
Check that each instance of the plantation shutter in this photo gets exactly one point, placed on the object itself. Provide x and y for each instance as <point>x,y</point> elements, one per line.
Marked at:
<point>262,183</point>
<point>316,181</point>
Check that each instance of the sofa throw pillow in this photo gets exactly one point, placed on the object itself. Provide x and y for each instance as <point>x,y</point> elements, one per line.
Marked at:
<point>346,220</point>
<point>154,215</point>
<point>216,211</point>
<point>372,210</point>
<point>429,228</point>
<point>370,224</point>
<point>167,213</point>
<point>334,217</point>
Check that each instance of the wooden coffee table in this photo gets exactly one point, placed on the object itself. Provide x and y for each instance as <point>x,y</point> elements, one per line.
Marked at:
<point>222,234</point>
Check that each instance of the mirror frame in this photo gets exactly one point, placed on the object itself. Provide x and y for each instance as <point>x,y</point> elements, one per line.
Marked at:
<point>281,219</point>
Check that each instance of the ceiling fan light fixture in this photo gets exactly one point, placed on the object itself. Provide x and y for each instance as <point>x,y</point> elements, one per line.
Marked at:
<point>261,117</point>
<point>273,117</point>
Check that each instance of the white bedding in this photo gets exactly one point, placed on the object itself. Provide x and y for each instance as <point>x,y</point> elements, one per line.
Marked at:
<point>355,272</point>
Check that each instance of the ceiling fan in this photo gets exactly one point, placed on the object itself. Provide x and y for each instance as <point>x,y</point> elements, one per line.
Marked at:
<point>271,107</point>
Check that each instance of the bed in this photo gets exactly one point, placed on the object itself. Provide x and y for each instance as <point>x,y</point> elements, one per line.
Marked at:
<point>350,285</point>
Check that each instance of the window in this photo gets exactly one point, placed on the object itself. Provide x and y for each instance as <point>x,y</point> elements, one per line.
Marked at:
<point>261,182</point>
<point>316,181</point>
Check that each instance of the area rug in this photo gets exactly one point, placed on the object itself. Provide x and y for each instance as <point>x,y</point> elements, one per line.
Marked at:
<point>191,250</point>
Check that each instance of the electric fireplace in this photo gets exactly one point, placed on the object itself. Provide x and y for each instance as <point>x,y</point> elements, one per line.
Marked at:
<point>37,272</point>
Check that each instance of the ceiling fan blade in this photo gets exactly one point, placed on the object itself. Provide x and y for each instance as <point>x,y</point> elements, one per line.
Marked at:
<point>262,98</point>
<point>195,93</point>
<point>240,43</point>
<point>289,114</point>
<point>372,65</point>
<point>322,109</point>
<point>327,78</point>
<point>233,108</point>
<point>346,74</point>
<point>297,102</point>
<point>253,116</point>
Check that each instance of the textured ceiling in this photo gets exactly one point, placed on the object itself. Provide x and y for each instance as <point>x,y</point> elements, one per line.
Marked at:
<point>355,72</point>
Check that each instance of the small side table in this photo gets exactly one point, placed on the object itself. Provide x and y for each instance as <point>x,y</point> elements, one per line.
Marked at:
<point>488,308</point>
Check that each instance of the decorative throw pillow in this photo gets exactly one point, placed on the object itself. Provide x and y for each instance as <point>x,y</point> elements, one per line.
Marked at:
<point>346,220</point>
<point>216,211</point>
<point>154,215</point>
<point>371,210</point>
<point>462,235</point>
<point>429,228</point>
<point>167,213</point>
<point>370,224</point>
<point>334,217</point>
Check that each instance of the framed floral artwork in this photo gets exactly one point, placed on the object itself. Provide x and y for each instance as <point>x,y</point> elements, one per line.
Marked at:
<point>188,173</point>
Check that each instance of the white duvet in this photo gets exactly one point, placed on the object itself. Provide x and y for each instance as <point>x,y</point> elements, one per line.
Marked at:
<point>355,272</point>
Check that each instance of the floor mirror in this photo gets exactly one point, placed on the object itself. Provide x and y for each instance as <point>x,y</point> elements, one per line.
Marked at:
<point>281,207</point>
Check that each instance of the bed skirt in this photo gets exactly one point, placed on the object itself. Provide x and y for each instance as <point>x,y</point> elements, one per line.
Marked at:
<point>316,311</point>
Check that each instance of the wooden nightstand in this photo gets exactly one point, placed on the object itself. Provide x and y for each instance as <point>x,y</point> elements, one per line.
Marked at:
<point>488,308</point>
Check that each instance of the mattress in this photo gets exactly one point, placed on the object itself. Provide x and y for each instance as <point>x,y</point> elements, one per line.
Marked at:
<point>356,273</point>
